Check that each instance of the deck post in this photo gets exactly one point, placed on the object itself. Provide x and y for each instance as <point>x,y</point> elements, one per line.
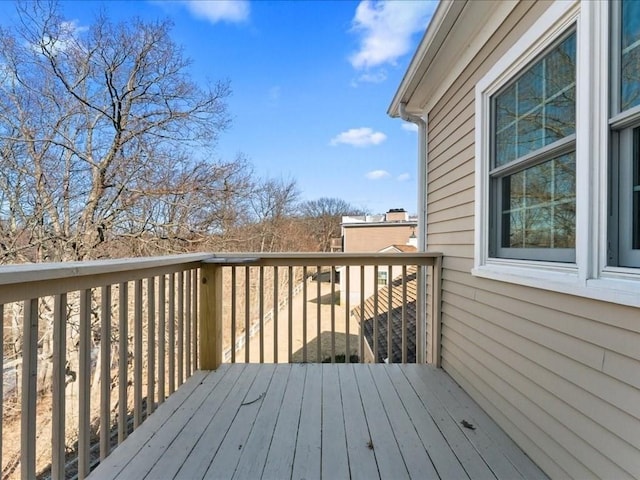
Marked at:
<point>210,316</point>
<point>435,324</point>
<point>421,316</point>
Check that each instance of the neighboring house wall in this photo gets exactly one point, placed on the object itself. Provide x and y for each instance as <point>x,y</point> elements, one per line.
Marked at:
<point>365,236</point>
<point>356,289</point>
<point>372,278</point>
<point>373,238</point>
<point>560,373</point>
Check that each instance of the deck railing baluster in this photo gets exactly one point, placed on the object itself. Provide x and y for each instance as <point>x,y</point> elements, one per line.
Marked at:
<point>29,389</point>
<point>261,311</point>
<point>138,354</point>
<point>304,314</point>
<point>247,314</point>
<point>105,370</point>
<point>389,313</point>
<point>319,314</point>
<point>275,314</point>
<point>362,314</point>
<point>123,359</point>
<point>58,400</point>
<point>290,311</point>
<point>233,313</point>
<point>332,281</point>
<point>187,325</point>
<point>172,333</point>
<point>347,315</point>
<point>375,314</point>
<point>151,343</point>
<point>404,314</point>
<point>162,328</point>
<point>84,384</point>
<point>180,328</point>
<point>195,319</point>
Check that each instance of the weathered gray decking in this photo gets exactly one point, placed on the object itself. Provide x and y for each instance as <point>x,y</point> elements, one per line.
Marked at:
<point>318,421</point>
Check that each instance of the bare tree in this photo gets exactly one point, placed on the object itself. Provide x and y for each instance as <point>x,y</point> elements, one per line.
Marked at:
<point>273,204</point>
<point>323,217</point>
<point>94,124</point>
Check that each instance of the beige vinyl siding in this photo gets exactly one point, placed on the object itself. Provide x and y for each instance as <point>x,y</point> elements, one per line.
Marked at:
<point>560,374</point>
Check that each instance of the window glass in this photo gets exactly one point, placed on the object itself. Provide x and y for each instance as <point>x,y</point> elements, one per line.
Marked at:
<point>539,107</point>
<point>630,55</point>
<point>539,205</point>
<point>533,210</point>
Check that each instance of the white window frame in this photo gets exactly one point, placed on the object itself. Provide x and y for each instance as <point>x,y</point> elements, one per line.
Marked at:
<point>622,125</point>
<point>589,276</point>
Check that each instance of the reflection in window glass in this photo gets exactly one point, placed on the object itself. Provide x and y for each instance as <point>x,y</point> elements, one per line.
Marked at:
<point>630,55</point>
<point>539,205</point>
<point>539,107</point>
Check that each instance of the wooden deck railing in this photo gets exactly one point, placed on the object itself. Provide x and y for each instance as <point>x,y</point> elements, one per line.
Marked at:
<point>90,349</point>
<point>295,317</point>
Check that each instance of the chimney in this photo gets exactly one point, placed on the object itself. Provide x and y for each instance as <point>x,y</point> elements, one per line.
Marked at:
<point>397,215</point>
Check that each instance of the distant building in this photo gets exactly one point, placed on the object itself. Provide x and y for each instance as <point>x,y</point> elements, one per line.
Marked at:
<point>393,231</point>
<point>372,233</point>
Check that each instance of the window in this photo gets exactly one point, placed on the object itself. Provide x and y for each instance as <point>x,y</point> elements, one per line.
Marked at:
<point>557,155</point>
<point>624,221</point>
<point>382,278</point>
<point>532,176</point>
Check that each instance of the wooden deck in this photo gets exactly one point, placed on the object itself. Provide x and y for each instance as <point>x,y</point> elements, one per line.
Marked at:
<point>319,421</point>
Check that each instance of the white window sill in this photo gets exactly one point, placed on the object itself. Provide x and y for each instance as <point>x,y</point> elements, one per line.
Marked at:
<point>614,287</point>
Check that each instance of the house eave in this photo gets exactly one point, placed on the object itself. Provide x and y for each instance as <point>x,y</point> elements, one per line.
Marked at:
<point>446,13</point>
<point>454,36</point>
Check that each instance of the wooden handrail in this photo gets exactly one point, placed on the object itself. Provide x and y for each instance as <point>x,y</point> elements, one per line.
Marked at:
<point>21,282</point>
<point>323,259</point>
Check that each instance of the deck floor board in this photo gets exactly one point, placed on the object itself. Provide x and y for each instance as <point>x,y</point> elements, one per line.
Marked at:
<point>317,421</point>
<point>285,435</point>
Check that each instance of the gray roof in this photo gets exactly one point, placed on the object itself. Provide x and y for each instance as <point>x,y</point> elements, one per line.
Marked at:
<point>381,316</point>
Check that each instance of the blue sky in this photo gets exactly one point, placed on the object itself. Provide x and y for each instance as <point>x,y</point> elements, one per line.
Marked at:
<point>311,83</point>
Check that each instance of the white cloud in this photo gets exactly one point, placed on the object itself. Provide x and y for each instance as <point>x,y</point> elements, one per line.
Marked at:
<point>232,11</point>
<point>64,39</point>
<point>370,77</point>
<point>377,174</point>
<point>403,177</point>
<point>409,127</point>
<point>386,28</point>
<point>359,137</point>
